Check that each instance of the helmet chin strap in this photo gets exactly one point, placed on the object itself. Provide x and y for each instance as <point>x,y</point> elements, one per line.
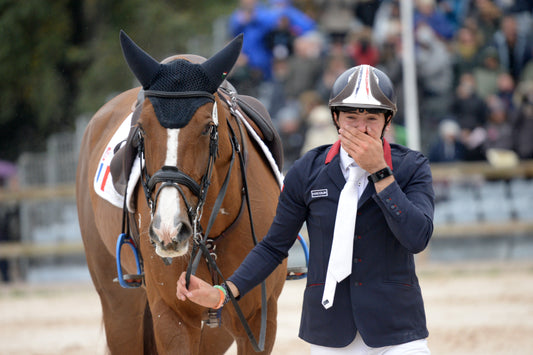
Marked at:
<point>387,121</point>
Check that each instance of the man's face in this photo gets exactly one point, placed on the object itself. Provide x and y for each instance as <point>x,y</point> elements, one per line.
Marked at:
<point>362,120</point>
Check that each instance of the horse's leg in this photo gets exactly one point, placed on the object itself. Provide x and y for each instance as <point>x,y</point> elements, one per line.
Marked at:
<point>215,340</point>
<point>175,332</point>
<point>124,310</point>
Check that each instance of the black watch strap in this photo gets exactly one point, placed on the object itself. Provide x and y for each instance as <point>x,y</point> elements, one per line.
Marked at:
<point>380,175</point>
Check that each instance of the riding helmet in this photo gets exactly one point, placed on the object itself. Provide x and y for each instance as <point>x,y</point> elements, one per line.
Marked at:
<point>363,86</point>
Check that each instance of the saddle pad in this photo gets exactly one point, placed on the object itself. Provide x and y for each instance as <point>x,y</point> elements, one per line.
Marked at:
<point>266,151</point>
<point>103,182</point>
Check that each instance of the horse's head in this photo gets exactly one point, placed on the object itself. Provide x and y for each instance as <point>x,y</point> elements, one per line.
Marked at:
<point>179,136</point>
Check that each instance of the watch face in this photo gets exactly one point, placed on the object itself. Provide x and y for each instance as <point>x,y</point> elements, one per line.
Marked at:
<point>380,175</point>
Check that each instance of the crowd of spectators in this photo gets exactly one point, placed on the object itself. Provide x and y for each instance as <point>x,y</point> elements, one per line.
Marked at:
<point>474,64</point>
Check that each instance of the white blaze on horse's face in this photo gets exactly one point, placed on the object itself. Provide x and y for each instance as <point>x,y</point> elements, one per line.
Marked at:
<point>166,222</point>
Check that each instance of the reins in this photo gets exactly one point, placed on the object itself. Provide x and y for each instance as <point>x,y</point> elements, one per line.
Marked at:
<point>200,246</point>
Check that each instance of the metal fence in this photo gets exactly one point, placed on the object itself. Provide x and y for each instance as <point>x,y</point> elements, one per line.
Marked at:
<point>50,220</point>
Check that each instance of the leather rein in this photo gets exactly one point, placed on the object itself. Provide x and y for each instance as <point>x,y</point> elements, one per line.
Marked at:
<point>171,176</point>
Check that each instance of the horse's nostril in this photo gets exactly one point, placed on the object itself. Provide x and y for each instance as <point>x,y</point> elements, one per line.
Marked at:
<point>184,232</point>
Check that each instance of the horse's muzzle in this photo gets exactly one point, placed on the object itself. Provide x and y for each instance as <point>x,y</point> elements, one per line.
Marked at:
<point>170,241</point>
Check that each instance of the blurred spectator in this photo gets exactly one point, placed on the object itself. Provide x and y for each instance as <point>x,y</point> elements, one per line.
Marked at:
<point>362,50</point>
<point>434,71</point>
<point>390,62</point>
<point>336,18</point>
<point>254,20</point>
<point>257,21</point>
<point>523,121</point>
<point>320,130</point>
<point>244,78</point>
<point>386,22</point>
<point>365,11</point>
<point>487,16</point>
<point>514,47</point>
<point>448,146</point>
<point>292,133</point>
<point>456,11</point>
<point>305,66</point>
<point>317,116</point>
<point>336,63</point>
<point>522,10</point>
<point>465,49</point>
<point>506,87</point>
<point>469,109</point>
<point>434,65</point>
<point>280,40</point>
<point>498,127</point>
<point>486,74</point>
<point>299,22</point>
<point>276,98</point>
<point>427,13</point>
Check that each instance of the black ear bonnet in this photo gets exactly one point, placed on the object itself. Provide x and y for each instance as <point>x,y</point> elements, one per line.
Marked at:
<point>179,76</point>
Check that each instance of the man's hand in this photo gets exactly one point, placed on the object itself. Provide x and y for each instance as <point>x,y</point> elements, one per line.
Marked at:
<point>199,292</point>
<point>366,148</point>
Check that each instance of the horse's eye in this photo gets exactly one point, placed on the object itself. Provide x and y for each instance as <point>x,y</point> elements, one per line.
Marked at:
<point>207,129</point>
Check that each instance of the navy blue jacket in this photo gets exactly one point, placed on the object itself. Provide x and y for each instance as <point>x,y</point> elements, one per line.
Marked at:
<point>381,298</point>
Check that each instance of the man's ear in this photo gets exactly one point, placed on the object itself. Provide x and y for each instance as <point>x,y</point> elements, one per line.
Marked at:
<point>335,117</point>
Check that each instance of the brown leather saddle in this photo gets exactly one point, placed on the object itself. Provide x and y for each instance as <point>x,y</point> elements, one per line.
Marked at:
<point>251,109</point>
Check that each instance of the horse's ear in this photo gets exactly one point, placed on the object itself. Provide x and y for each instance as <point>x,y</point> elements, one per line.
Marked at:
<point>221,63</point>
<point>143,66</point>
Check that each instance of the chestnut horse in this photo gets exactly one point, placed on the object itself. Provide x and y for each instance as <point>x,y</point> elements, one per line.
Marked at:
<point>191,140</point>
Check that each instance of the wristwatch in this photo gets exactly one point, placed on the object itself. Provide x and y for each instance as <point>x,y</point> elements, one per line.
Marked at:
<point>380,175</point>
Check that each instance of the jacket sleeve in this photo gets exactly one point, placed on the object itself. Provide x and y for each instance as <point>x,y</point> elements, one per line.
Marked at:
<point>408,203</point>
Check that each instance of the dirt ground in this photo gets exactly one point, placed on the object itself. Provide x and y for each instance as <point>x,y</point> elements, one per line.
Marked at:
<point>471,309</point>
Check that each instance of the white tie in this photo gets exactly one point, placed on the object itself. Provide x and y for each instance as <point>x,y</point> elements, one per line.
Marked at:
<point>340,258</point>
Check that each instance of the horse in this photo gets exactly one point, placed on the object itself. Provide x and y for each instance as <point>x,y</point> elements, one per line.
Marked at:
<point>188,139</point>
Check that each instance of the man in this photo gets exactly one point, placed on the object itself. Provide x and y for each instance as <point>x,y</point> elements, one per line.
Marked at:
<point>375,306</point>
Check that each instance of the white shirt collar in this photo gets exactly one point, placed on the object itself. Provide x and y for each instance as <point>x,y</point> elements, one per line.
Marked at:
<point>346,161</point>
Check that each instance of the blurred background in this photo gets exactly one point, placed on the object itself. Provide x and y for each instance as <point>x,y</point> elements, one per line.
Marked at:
<point>61,60</point>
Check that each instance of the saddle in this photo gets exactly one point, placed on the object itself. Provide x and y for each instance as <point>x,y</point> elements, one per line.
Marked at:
<point>253,111</point>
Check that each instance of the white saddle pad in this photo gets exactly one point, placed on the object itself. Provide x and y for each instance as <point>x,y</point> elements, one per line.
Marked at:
<point>103,182</point>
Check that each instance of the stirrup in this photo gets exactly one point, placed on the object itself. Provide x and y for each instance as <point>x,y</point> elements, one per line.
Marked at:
<point>128,280</point>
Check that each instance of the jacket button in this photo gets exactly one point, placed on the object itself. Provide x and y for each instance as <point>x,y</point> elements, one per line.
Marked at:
<point>357,260</point>
<point>358,284</point>
<point>359,237</point>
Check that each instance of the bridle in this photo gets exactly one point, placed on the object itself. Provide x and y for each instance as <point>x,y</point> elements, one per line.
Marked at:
<point>170,176</point>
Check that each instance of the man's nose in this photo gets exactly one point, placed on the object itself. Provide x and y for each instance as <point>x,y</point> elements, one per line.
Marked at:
<point>361,127</point>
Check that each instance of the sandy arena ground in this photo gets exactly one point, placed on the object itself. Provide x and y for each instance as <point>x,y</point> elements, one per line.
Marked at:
<point>471,309</point>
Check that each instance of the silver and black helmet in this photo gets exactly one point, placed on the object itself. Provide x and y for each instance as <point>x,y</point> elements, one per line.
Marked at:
<point>363,86</point>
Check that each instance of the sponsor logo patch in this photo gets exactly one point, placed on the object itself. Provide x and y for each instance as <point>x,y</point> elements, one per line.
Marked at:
<point>319,193</point>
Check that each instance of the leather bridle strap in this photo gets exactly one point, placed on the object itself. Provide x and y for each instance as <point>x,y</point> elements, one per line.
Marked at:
<point>179,95</point>
<point>201,245</point>
<point>191,269</point>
